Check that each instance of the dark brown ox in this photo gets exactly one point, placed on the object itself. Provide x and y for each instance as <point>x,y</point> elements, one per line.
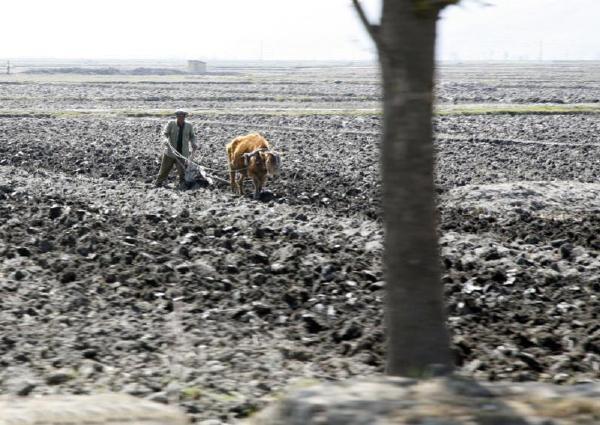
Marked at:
<point>250,156</point>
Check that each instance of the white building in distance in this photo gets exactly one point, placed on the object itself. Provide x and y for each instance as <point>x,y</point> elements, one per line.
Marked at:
<point>196,67</point>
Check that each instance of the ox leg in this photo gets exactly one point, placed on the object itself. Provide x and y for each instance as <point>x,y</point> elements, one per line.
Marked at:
<point>258,185</point>
<point>232,180</point>
<point>240,183</point>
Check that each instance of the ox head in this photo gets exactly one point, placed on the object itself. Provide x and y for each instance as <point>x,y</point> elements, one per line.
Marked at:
<point>265,160</point>
<point>272,162</point>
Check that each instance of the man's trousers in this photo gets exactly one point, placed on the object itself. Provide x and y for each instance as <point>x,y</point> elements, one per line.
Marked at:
<point>165,168</point>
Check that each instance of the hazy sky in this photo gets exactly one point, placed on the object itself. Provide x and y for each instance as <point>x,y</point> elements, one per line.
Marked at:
<point>285,29</point>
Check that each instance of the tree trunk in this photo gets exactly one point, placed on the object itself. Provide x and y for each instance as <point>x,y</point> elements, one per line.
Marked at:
<point>415,318</point>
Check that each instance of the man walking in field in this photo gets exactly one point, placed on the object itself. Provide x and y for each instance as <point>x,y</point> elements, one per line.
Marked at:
<point>180,135</point>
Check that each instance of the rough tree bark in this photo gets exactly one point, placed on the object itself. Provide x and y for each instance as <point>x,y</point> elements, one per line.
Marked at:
<point>417,338</point>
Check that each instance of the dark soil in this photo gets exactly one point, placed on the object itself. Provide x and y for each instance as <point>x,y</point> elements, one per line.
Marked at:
<point>217,302</point>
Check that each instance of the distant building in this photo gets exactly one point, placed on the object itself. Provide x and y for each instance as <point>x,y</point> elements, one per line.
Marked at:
<point>196,67</point>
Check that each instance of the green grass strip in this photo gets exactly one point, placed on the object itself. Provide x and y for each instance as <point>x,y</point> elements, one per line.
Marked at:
<point>517,109</point>
<point>440,109</point>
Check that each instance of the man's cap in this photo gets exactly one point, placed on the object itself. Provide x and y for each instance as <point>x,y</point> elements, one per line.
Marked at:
<point>180,112</point>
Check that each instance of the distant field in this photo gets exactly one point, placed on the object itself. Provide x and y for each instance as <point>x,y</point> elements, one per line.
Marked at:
<point>291,88</point>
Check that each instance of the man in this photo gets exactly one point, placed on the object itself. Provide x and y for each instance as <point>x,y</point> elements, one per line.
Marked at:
<point>180,135</point>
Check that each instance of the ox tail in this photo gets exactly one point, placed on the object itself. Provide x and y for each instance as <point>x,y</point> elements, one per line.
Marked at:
<point>229,150</point>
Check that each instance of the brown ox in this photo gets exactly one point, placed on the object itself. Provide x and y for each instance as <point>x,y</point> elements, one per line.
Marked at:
<point>250,156</point>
